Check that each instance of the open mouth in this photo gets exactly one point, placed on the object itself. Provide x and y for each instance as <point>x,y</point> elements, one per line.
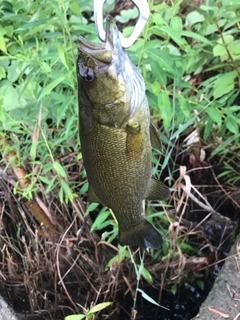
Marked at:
<point>101,51</point>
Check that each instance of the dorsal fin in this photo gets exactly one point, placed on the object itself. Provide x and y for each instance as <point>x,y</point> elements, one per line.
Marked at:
<point>92,197</point>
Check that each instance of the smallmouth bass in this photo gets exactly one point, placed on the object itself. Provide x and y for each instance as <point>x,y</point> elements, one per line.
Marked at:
<point>117,136</point>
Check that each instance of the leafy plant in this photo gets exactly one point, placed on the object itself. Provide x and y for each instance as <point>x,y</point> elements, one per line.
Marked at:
<point>89,314</point>
<point>190,66</point>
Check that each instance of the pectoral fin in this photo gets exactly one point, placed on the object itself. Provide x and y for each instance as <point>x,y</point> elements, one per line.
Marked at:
<point>134,142</point>
<point>92,197</point>
<point>157,190</point>
<point>155,140</point>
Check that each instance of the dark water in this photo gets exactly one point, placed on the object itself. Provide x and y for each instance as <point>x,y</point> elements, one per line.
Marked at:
<point>184,305</point>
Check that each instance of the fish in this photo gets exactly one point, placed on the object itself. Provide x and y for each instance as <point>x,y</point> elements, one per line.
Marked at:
<point>117,137</point>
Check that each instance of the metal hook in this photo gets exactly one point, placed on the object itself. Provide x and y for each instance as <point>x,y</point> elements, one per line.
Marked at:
<point>144,11</point>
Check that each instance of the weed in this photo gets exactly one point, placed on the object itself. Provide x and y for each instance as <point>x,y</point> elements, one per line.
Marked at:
<point>189,58</point>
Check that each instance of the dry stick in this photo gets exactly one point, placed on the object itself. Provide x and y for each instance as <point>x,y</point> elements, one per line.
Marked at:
<point>223,190</point>
<point>189,264</point>
<point>23,183</point>
<point>75,260</point>
<point>58,267</point>
<point>237,316</point>
<point>6,177</point>
<point>204,206</point>
<point>220,261</point>
<point>12,159</point>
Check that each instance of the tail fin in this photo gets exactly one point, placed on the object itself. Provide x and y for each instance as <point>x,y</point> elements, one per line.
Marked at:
<point>142,235</point>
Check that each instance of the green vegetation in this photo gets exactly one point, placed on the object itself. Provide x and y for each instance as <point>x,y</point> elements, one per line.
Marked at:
<point>189,57</point>
<point>89,314</point>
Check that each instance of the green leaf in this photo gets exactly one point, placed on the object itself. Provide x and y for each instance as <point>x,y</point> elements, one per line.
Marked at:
<point>126,15</point>
<point>214,115</point>
<point>224,84</point>
<point>226,39</point>
<point>9,31</point>
<point>231,109</point>
<point>33,150</point>
<point>122,254</point>
<point>149,299</point>
<point>2,73</point>
<point>91,207</point>
<point>75,317</point>
<point>163,59</point>
<point>156,88</point>
<point>175,35</point>
<point>157,18</point>
<point>99,307</point>
<point>200,284</point>
<point>60,170</point>
<point>48,89</point>
<point>234,49</point>
<point>89,29</point>
<point>187,248</point>
<point>2,43</point>
<point>146,275</point>
<point>13,71</point>
<point>69,195</point>
<point>196,36</point>
<point>159,73</point>
<point>165,109</point>
<point>224,145</point>
<point>74,6</point>
<point>60,195</point>
<point>183,127</point>
<point>50,185</point>
<point>3,117</point>
<point>176,24</point>
<point>209,8</point>
<point>114,233</point>
<point>11,98</point>
<point>109,6</point>
<point>219,50</point>
<point>185,109</point>
<point>44,180</point>
<point>232,124</point>
<point>174,289</point>
<point>193,18</point>
<point>63,56</point>
<point>102,216</point>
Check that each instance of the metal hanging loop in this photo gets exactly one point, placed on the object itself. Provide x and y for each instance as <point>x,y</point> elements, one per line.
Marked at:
<point>144,12</point>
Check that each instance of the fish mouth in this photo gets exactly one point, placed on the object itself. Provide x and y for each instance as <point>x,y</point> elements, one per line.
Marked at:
<point>105,51</point>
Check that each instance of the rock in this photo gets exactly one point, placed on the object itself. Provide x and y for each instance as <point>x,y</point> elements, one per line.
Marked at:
<point>223,301</point>
<point>6,312</point>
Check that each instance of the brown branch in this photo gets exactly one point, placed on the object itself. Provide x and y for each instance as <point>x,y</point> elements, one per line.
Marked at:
<point>223,190</point>
<point>12,159</point>
<point>23,183</point>
<point>228,52</point>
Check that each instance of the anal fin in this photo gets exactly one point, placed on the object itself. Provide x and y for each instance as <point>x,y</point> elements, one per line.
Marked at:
<point>92,197</point>
<point>157,190</point>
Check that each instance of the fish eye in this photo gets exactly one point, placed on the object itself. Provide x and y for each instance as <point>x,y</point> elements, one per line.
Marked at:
<point>88,76</point>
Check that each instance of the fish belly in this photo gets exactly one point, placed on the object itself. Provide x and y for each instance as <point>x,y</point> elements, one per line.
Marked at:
<point>118,166</point>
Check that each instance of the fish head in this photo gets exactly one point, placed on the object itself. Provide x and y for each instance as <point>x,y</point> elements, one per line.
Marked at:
<point>105,76</point>
<point>99,67</point>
